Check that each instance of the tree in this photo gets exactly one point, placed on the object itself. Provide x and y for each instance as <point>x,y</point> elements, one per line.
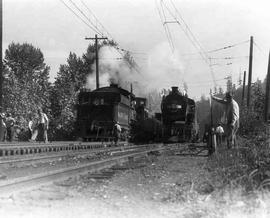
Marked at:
<point>71,77</point>
<point>26,81</point>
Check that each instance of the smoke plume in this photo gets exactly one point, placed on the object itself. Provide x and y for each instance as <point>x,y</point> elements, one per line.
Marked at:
<point>163,70</point>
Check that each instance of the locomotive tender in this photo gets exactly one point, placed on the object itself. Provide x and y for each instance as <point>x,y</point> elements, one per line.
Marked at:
<point>179,117</point>
<point>100,109</point>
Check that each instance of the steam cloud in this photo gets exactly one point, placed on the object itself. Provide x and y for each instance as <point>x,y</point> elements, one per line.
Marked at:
<point>163,70</point>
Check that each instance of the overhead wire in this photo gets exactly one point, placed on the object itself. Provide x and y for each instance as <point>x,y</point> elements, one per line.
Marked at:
<point>79,17</point>
<point>86,17</point>
<point>97,20</point>
<point>227,47</point>
<point>218,49</point>
<point>259,48</point>
<point>96,29</point>
<point>165,27</point>
<point>191,37</point>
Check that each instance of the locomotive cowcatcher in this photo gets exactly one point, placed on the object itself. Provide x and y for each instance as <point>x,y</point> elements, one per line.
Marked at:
<point>100,109</point>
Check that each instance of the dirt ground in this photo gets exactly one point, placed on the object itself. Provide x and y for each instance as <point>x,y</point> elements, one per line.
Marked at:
<point>158,186</point>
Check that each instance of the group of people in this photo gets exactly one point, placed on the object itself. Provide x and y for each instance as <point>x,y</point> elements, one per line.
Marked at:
<point>232,124</point>
<point>36,127</point>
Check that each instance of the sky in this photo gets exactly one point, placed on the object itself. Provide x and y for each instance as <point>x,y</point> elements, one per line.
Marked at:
<point>137,27</point>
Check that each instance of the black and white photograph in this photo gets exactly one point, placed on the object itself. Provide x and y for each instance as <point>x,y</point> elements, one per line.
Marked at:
<point>134,108</point>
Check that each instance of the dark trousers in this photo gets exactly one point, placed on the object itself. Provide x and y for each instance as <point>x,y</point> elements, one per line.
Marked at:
<point>42,131</point>
<point>29,134</point>
<point>10,133</point>
<point>219,139</point>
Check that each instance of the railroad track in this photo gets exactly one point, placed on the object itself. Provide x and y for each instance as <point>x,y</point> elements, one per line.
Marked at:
<point>9,187</point>
<point>25,148</point>
<point>65,153</point>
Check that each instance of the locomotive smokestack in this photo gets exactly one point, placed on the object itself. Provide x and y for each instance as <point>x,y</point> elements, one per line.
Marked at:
<point>114,85</point>
<point>175,89</point>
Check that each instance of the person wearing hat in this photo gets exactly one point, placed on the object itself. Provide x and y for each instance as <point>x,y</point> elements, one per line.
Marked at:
<point>117,132</point>
<point>232,115</point>
<point>10,122</point>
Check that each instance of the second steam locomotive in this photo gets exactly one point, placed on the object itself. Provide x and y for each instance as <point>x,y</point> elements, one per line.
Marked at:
<point>100,109</point>
<point>179,117</point>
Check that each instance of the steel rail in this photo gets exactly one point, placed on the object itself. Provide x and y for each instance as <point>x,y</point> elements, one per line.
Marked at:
<point>29,182</point>
<point>65,154</point>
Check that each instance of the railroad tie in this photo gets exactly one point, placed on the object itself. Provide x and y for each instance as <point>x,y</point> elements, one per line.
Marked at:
<point>21,151</point>
<point>8,153</point>
<point>12,152</point>
<point>28,150</point>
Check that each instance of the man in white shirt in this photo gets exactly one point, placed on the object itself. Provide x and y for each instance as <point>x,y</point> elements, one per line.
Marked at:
<point>232,115</point>
<point>117,132</point>
<point>30,127</point>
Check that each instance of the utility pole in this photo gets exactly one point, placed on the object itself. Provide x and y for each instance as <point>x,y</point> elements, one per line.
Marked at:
<point>1,61</point>
<point>1,70</point>
<point>96,48</point>
<point>210,141</point>
<point>267,94</point>
<point>243,91</point>
<point>250,70</point>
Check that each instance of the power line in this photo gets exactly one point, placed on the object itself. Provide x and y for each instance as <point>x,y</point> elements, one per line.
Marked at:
<point>79,17</point>
<point>191,37</point>
<point>228,58</point>
<point>95,28</point>
<point>75,5</point>
<point>106,31</point>
<point>218,49</point>
<point>96,19</point>
<point>259,48</point>
<point>227,47</point>
<point>165,27</point>
<point>206,81</point>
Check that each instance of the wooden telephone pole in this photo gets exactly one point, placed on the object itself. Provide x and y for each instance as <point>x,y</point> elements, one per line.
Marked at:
<point>1,62</point>
<point>96,48</point>
<point>250,70</point>
<point>243,91</point>
<point>267,94</point>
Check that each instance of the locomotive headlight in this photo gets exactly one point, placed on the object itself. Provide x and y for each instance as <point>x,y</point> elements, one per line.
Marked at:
<point>175,106</point>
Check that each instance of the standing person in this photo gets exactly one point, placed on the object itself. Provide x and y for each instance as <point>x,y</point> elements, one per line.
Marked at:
<point>219,132</point>
<point>232,115</point>
<point>30,127</point>
<point>43,125</point>
<point>10,122</point>
<point>4,127</point>
<point>117,132</point>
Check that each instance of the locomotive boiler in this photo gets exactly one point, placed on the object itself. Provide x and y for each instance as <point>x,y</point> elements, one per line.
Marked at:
<point>179,117</point>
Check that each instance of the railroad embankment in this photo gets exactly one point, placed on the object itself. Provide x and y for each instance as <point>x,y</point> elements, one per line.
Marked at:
<point>161,185</point>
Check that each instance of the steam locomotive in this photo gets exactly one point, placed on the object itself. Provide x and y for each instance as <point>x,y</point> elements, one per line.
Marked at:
<point>179,117</point>
<point>100,109</point>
